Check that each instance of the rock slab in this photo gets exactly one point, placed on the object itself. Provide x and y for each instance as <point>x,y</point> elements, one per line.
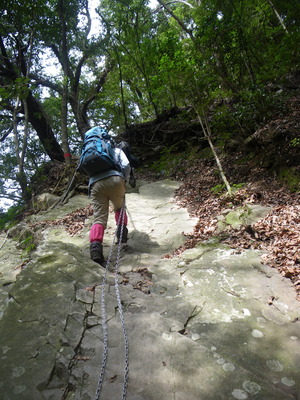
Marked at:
<point>212,324</point>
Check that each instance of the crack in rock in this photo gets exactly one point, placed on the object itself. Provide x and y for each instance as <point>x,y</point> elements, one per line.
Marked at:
<point>196,311</point>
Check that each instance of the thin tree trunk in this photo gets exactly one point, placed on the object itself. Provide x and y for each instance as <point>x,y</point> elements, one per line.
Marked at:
<point>15,130</point>
<point>64,99</point>
<point>279,17</point>
<point>20,176</point>
<point>64,124</point>
<point>26,113</point>
<point>207,133</point>
<point>122,91</point>
<point>21,146</point>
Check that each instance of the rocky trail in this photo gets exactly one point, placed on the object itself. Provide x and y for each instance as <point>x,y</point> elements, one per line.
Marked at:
<point>212,323</point>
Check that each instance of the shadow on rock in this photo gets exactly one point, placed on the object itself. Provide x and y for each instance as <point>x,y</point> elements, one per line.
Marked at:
<point>141,242</point>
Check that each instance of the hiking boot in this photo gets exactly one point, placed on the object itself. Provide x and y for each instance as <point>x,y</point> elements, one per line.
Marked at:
<point>96,251</point>
<point>124,234</point>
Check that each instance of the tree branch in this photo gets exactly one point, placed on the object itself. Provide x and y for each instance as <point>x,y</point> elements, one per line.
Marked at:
<point>180,1</point>
<point>6,134</point>
<point>78,72</point>
<point>89,20</point>
<point>99,85</point>
<point>279,17</point>
<point>5,57</point>
<point>180,23</point>
<point>46,83</point>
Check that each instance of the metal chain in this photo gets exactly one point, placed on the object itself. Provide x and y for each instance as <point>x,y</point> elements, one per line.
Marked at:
<point>120,310</point>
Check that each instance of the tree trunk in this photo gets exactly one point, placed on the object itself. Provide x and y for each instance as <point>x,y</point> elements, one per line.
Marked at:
<point>39,122</point>
<point>122,91</point>
<point>279,17</point>
<point>207,133</point>
<point>65,89</point>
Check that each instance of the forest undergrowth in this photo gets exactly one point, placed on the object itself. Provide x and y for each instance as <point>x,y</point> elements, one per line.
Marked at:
<point>277,234</point>
<point>267,173</point>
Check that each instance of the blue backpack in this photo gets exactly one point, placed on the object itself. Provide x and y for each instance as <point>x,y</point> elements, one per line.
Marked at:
<point>97,152</point>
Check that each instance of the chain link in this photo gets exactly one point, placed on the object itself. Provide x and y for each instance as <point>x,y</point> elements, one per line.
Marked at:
<point>120,310</point>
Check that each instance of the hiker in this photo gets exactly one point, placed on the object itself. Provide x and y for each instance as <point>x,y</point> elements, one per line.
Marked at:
<point>104,186</point>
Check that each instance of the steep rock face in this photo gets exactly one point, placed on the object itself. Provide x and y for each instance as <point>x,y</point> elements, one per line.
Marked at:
<point>210,324</point>
<point>44,201</point>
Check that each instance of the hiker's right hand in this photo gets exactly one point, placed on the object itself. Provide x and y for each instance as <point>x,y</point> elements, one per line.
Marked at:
<point>132,181</point>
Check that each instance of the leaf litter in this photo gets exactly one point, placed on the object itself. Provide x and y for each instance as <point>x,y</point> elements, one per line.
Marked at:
<point>277,234</point>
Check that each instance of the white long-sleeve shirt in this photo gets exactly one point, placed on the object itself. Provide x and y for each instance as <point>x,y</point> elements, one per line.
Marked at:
<point>122,161</point>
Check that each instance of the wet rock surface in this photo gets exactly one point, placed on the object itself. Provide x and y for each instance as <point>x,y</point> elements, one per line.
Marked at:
<point>211,324</point>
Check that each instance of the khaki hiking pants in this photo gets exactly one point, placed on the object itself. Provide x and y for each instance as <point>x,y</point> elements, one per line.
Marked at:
<point>108,189</point>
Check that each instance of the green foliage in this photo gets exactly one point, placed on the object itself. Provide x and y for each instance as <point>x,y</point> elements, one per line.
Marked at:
<point>220,189</point>
<point>291,178</point>
<point>28,244</point>
<point>205,153</point>
<point>11,216</point>
<point>169,162</point>
<point>246,112</point>
<point>257,106</point>
<point>295,142</point>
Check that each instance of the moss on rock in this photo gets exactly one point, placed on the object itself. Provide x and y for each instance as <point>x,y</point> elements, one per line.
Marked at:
<point>291,177</point>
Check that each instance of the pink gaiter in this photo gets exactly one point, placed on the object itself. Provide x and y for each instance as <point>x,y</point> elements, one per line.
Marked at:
<point>97,233</point>
<point>117,217</point>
